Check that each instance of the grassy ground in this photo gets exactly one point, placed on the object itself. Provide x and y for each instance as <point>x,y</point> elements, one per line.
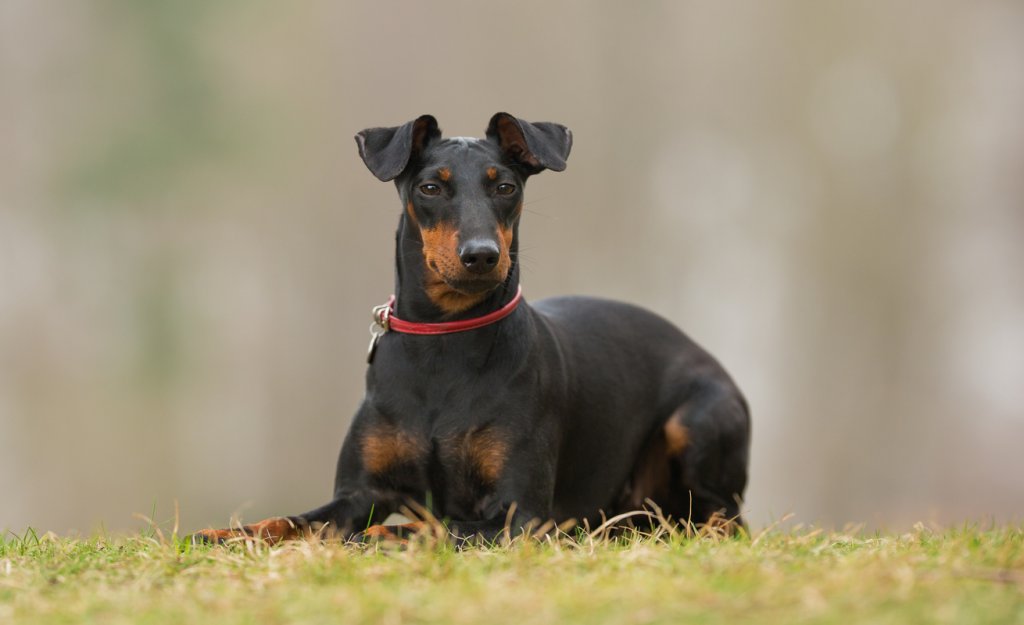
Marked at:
<point>958,576</point>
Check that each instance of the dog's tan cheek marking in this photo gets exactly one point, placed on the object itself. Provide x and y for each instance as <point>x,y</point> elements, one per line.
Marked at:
<point>492,173</point>
<point>387,446</point>
<point>439,245</point>
<point>444,174</point>
<point>411,211</point>
<point>505,234</point>
<point>441,259</point>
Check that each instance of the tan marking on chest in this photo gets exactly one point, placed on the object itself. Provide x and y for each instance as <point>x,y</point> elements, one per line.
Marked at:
<point>484,451</point>
<point>387,446</point>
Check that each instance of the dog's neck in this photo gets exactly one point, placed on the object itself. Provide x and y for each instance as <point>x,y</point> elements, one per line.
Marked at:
<point>412,302</point>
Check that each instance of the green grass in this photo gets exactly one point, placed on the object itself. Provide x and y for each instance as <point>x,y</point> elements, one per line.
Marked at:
<point>965,575</point>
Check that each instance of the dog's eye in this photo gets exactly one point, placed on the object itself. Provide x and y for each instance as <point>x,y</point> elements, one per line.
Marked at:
<point>506,189</point>
<point>430,189</point>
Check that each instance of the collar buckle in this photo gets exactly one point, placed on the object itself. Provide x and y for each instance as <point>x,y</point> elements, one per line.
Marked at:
<point>380,326</point>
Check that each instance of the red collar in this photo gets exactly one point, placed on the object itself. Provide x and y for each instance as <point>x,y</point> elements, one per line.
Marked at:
<point>384,320</point>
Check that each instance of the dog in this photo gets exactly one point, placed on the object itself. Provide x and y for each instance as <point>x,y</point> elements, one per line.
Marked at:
<point>493,414</point>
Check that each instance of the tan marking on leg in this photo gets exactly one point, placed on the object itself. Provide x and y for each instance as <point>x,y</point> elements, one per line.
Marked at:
<point>386,446</point>
<point>393,532</point>
<point>213,536</point>
<point>651,477</point>
<point>274,530</point>
<point>271,531</point>
<point>677,436</point>
<point>444,174</point>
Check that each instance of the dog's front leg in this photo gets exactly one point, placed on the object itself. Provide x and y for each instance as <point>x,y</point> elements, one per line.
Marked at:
<point>338,518</point>
<point>521,502</point>
<point>509,523</point>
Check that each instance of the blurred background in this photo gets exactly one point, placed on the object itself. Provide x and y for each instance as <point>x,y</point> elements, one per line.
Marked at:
<point>827,196</point>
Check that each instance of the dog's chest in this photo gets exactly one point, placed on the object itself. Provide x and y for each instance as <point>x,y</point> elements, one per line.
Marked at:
<point>453,468</point>
<point>449,433</point>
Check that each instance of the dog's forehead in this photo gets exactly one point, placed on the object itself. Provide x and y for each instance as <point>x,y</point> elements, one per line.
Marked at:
<point>462,152</point>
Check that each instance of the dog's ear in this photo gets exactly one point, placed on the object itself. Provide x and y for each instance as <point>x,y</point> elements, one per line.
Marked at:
<point>388,151</point>
<point>537,146</point>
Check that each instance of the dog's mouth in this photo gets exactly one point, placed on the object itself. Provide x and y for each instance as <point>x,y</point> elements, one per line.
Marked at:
<point>474,285</point>
<point>456,294</point>
<point>454,289</point>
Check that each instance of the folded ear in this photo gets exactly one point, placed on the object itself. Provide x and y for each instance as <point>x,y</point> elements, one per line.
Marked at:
<point>537,146</point>
<point>387,151</point>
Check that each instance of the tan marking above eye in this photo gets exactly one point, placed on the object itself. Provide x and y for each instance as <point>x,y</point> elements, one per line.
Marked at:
<point>492,173</point>
<point>444,174</point>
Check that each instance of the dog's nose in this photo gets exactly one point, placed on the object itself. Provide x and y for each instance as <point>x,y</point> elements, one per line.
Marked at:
<point>479,255</point>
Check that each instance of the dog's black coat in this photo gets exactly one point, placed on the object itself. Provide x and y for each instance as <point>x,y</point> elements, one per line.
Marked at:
<point>569,408</point>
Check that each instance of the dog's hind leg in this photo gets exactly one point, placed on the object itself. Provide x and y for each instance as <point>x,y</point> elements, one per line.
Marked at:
<point>694,464</point>
<point>707,441</point>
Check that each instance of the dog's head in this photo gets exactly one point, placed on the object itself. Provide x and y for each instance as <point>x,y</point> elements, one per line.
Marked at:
<point>463,196</point>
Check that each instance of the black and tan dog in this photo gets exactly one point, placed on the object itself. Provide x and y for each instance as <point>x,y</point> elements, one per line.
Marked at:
<point>489,411</point>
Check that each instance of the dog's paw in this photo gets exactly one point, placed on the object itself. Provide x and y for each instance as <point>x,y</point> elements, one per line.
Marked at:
<point>390,533</point>
<point>210,537</point>
<point>270,531</point>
